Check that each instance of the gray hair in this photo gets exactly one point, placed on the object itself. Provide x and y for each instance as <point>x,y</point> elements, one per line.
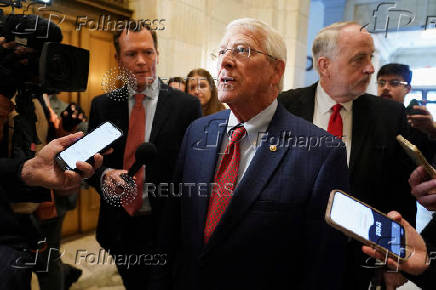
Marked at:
<point>271,39</point>
<point>325,43</point>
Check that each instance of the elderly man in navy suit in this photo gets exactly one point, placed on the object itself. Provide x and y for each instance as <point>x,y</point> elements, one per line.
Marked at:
<point>254,182</point>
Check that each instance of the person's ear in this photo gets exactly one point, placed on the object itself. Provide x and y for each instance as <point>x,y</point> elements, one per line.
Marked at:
<point>323,66</point>
<point>279,69</point>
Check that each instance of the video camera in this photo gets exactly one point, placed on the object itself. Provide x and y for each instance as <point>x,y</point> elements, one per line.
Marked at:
<point>51,67</point>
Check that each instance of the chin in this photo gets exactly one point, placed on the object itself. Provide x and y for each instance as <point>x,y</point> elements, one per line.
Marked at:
<point>225,99</point>
<point>226,95</point>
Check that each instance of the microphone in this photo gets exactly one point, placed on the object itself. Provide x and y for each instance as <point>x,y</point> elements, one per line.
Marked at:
<point>145,153</point>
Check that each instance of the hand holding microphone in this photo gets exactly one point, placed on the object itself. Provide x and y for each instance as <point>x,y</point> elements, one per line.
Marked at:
<point>145,154</point>
<point>119,185</point>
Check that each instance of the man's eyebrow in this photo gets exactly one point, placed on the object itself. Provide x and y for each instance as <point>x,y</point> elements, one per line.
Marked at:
<point>361,54</point>
<point>237,43</point>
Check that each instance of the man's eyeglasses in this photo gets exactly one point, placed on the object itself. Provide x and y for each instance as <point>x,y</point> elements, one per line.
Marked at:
<point>392,83</point>
<point>240,51</point>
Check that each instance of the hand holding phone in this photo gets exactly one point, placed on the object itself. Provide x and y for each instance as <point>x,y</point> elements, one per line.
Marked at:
<point>366,224</point>
<point>416,155</point>
<point>42,170</point>
<point>423,188</point>
<point>410,110</point>
<point>83,149</point>
<point>417,263</point>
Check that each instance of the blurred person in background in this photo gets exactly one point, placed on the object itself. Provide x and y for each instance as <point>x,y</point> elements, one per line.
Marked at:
<point>200,83</point>
<point>177,83</point>
<point>394,82</point>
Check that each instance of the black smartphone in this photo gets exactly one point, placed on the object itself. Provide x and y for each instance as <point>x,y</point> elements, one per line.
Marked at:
<point>411,111</point>
<point>366,224</point>
<point>86,147</point>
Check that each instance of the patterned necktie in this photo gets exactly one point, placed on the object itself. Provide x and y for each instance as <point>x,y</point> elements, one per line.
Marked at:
<point>335,122</point>
<point>135,137</point>
<point>224,184</point>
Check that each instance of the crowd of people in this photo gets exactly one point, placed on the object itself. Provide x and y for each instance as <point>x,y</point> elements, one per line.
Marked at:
<point>248,212</point>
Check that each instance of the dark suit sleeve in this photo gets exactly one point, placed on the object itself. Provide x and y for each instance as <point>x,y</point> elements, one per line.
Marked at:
<point>402,200</point>
<point>18,191</point>
<point>324,247</point>
<point>168,239</point>
<point>11,173</point>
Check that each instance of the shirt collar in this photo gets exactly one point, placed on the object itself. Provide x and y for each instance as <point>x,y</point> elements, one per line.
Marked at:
<point>256,125</point>
<point>151,91</point>
<point>325,102</point>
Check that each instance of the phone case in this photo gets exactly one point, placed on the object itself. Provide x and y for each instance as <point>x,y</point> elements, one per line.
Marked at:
<point>357,237</point>
<point>416,155</point>
<point>63,165</point>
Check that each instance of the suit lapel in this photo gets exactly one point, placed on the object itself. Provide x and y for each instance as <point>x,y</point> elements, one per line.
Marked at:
<point>247,192</point>
<point>307,103</point>
<point>120,117</point>
<point>362,121</point>
<point>117,115</point>
<point>162,111</point>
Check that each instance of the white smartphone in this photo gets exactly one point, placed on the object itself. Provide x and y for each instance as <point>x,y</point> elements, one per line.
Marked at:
<point>85,148</point>
<point>366,224</point>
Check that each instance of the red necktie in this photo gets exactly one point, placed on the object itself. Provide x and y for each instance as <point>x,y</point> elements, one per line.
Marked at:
<point>335,122</point>
<point>135,137</point>
<point>224,184</point>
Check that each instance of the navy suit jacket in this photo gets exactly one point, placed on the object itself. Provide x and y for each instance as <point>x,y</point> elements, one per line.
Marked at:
<point>273,234</point>
<point>379,167</point>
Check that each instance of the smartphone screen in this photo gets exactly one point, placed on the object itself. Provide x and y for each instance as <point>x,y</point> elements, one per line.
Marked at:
<point>90,144</point>
<point>368,224</point>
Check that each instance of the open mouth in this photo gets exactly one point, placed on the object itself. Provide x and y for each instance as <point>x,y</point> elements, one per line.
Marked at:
<point>227,80</point>
<point>141,74</point>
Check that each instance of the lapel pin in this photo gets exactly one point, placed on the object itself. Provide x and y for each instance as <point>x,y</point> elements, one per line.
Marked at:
<point>273,148</point>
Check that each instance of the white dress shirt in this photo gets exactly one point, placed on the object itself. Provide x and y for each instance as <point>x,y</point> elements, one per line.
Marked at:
<point>255,128</point>
<point>323,110</point>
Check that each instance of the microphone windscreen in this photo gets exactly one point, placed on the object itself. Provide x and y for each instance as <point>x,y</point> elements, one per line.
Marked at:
<point>145,153</point>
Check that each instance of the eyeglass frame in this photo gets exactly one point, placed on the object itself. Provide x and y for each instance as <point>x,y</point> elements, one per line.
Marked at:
<point>216,54</point>
<point>390,83</point>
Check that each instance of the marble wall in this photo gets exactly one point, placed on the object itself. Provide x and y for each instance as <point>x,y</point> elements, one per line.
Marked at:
<point>193,28</point>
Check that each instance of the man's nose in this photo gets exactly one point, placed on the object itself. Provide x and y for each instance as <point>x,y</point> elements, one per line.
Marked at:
<point>226,60</point>
<point>369,68</point>
<point>141,59</point>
